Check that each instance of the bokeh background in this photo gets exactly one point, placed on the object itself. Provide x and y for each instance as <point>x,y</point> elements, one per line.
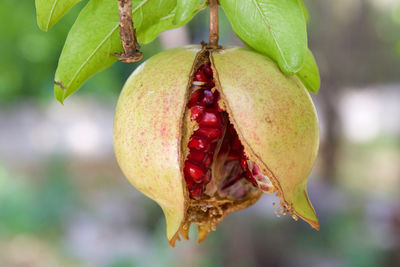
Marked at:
<point>64,201</point>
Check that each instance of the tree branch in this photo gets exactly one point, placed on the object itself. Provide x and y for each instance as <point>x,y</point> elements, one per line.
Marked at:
<point>213,36</point>
<point>128,34</point>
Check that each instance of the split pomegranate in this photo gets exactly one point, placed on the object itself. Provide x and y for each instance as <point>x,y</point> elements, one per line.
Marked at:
<point>206,132</point>
<point>212,122</point>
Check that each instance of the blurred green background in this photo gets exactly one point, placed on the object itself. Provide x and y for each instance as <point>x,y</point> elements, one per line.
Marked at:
<point>64,201</point>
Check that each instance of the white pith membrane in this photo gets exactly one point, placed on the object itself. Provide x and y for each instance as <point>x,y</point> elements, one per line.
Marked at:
<point>219,200</point>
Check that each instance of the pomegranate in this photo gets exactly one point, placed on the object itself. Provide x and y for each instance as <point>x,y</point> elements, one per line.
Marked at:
<point>205,132</point>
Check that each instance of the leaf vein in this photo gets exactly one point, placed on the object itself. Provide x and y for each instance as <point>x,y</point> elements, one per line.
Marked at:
<point>89,57</point>
<point>51,14</point>
<point>167,16</point>
<point>265,19</point>
<point>139,6</point>
<point>97,48</point>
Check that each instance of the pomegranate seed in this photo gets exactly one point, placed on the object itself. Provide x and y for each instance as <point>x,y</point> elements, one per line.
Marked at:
<point>251,178</point>
<point>236,144</point>
<point>232,156</point>
<point>202,143</point>
<point>216,99</point>
<point>230,134</point>
<point>207,161</point>
<point>210,84</point>
<point>200,76</point>
<point>207,178</point>
<point>194,98</point>
<point>210,118</point>
<point>212,148</point>
<point>211,134</point>
<point>189,182</point>
<point>196,112</point>
<point>208,98</point>
<point>196,155</point>
<point>194,171</point>
<point>206,68</point>
<point>256,169</point>
<point>197,190</point>
<point>198,143</point>
<point>243,164</point>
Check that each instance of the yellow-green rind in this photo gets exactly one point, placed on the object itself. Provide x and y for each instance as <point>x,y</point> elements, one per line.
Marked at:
<point>147,128</point>
<point>276,120</point>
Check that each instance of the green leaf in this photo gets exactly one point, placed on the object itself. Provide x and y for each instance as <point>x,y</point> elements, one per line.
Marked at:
<point>152,17</point>
<point>94,39</point>
<point>276,28</point>
<point>185,9</point>
<point>309,74</point>
<point>305,11</point>
<point>89,47</point>
<point>48,12</point>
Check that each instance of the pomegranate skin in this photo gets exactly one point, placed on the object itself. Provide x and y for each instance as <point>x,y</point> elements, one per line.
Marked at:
<point>276,120</point>
<point>272,114</point>
<point>147,130</point>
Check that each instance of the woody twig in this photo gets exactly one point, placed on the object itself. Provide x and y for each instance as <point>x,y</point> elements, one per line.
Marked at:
<point>130,45</point>
<point>213,36</point>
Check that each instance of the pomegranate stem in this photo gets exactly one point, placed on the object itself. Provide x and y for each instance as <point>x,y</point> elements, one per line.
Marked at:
<point>127,33</point>
<point>213,36</point>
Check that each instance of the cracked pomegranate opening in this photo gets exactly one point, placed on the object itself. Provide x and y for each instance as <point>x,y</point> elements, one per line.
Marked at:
<point>216,165</point>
